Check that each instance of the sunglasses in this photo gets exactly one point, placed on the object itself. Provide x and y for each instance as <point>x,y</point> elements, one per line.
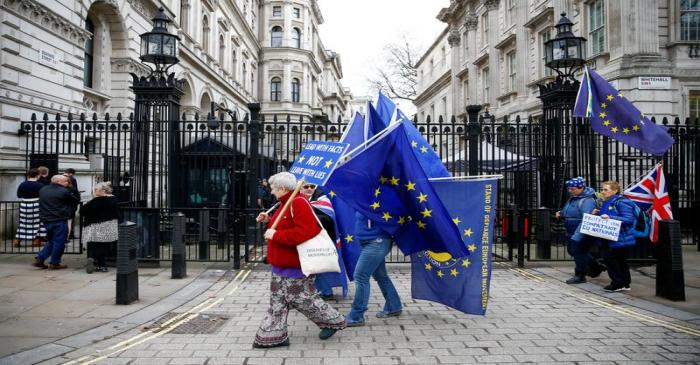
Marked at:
<point>309,186</point>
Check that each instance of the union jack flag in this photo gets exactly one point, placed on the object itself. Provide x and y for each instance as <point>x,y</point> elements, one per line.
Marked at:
<point>651,195</point>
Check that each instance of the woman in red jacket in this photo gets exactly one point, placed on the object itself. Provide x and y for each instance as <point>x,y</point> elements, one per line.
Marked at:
<point>289,287</point>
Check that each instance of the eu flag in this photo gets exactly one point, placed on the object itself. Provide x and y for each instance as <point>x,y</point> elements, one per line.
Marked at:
<point>460,282</point>
<point>426,156</point>
<point>385,183</point>
<point>612,115</point>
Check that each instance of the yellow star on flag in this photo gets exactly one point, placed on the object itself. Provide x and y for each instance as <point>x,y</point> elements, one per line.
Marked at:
<point>422,197</point>
<point>454,272</point>
<point>301,159</point>
<point>421,225</point>
<point>428,266</point>
<point>610,97</point>
<point>348,238</point>
<point>424,149</point>
<point>620,95</point>
<point>613,129</point>
<point>440,274</point>
<point>328,163</point>
<point>466,263</point>
<point>603,105</point>
<point>635,128</point>
<point>471,247</point>
<point>332,194</point>
<point>386,216</point>
<point>375,205</point>
<point>394,181</point>
<point>468,232</point>
<point>402,220</point>
<point>603,114</point>
<point>625,130</point>
<point>414,144</point>
<point>426,213</point>
<point>606,123</point>
<point>410,186</point>
<point>456,220</point>
<point>377,192</point>
<point>383,180</point>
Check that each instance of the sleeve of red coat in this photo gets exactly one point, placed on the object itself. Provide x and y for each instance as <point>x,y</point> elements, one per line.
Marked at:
<point>305,225</point>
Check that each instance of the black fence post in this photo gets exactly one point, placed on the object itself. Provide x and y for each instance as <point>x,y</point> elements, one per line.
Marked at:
<point>669,265</point>
<point>179,264</point>
<point>695,207</point>
<point>544,234</point>
<point>253,153</point>
<point>473,138</point>
<point>127,265</point>
<point>204,237</point>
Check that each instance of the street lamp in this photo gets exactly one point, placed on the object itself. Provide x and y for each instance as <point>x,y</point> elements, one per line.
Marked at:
<point>158,46</point>
<point>565,53</point>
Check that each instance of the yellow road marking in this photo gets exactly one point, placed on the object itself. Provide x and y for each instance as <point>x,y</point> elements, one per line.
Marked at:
<point>527,274</point>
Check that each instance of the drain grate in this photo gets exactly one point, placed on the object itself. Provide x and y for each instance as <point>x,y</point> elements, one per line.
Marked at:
<point>201,324</point>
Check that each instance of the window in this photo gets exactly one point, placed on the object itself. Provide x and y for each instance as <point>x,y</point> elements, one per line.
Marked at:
<point>276,37</point>
<point>277,11</point>
<point>596,26</point>
<point>185,15</point>
<point>444,107</point>
<point>432,66</point>
<point>222,49</point>
<point>432,113</point>
<point>205,34</point>
<point>690,20</point>
<point>510,11</point>
<point>296,38</point>
<point>297,13</point>
<point>694,101</point>
<point>485,29</point>
<point>465,42</point>
<point>511,70</point>
<point>486,84</point>
<point>89,53</point>
<point>275,89</point>
<point>444,57</point>
<point>295,90</point>
<point>244,75</point>
<point>544,37</point>
<point>234,64</point>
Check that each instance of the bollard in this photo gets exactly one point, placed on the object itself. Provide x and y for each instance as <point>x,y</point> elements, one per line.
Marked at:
<point>544,234</point>
<point>669,262</point>
<point>127,265</point>
<point>179,264</point>
<point>204,234</point>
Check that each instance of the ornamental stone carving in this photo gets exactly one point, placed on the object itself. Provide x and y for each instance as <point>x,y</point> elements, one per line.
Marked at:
<point>39,14</point>
<point>454,38</point>
<point>491,4</point>
<point>129,65</point>
<point>471,21</point>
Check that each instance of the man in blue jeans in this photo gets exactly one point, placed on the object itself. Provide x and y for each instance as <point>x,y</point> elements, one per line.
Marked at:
<point>375,245</point>
<point>56,205</point>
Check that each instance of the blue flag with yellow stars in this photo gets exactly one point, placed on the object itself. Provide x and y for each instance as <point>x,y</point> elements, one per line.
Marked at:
<point>460,282</point>
<point>612,115</point>
<point>426,156</point>
<point>385,183</point>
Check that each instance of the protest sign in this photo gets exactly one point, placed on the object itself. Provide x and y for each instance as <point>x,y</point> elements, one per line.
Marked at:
<point>596,226</point>
<point>316,161</point>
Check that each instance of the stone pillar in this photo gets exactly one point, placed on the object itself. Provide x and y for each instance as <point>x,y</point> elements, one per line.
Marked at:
<point>454,40</point>
<point>471,24</point>
<point>494,54</point>
<point>639,20</point>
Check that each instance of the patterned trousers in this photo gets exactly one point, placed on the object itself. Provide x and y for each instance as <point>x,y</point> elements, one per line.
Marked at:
<point>299,294</point>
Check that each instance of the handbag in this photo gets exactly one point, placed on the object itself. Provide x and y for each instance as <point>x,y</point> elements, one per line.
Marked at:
<point>318,254</point>
<point>106,231</point>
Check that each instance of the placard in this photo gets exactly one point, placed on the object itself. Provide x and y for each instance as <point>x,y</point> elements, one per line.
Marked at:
<point>316,161</point>
<point>596,226</point>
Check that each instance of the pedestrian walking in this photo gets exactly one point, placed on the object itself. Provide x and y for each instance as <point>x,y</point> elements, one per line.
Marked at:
<point>100,226</point>
<point>375,244</point>
<point>582,199</point>
<point>30,227</point>
<point>264,195</point>
<point>289,288</point>
<point>615,253</point>
<point>56,203</point>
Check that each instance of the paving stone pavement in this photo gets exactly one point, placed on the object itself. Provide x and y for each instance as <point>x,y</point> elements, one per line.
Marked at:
<point>531,318</point>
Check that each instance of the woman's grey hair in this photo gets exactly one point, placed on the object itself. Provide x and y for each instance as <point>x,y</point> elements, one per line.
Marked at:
<point>283,180</point>
<point>105,186</point>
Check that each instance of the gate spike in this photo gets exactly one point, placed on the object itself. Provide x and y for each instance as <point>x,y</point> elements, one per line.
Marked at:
<point>82,117</point>
<point>301,118</point>
<point>262,118</point>
<point>677,121</point>
<point>505,119</point>
<point>245,117</point>
<point>119,117</point>
<point>70,116</point>
<point>517,119</point>
<point>453,120</point>
<point>196,116</point>
<point>664,121</point>
<point>94,117</point>
<point>530,120</point>
<point>131,116</point>
<point>289,118</point>
<point>427,119</point>
<point>183,117</point>
<point>274,118</point>
<point>688,121</point>
<point>46,117</point>
<point>440,119</point>
<point>106,117</point>
<point>235,116</point>
<point>58,117</point>
<point>340,120</point>
<point>33,118</point>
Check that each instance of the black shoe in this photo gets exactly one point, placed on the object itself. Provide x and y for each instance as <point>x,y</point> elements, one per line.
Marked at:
<point>614,288</point>
<point>326,333</point>
<point>576,279</point>
<point>281,344</point>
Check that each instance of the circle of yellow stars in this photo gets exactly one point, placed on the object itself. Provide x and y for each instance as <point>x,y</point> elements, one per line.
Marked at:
<point>607,122</point>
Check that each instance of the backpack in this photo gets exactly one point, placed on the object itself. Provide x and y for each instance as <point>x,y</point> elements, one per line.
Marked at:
<point>642,221</point>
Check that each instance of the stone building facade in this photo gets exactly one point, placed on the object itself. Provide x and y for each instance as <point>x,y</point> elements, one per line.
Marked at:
<point>491,53</point>
<point>76,56</point>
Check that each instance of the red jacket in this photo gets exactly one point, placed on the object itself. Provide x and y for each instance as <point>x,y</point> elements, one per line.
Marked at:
<point>291,231</point>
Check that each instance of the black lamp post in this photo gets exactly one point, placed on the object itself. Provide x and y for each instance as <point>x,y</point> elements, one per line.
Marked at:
<point>565,54</point>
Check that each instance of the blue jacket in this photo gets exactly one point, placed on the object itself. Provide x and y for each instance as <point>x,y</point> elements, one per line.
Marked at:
<point>366,230</point>
<point>573,210</point>
<point>621,209</point>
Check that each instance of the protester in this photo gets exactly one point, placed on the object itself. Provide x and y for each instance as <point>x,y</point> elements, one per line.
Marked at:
<point>581,200</point>
<point>100,219</point>
<point>73,186</point>
<point>375,244</point>
<point>289,288</point>
<point>30,228</point>
<point>264,195</point>
<point>619,208</point>
<point>44,175</point>
<point>312,194</point>
<point>56,204</point>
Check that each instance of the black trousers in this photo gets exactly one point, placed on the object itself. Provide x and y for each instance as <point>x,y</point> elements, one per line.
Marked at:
<point>616,261</point>
<point>98,251</point>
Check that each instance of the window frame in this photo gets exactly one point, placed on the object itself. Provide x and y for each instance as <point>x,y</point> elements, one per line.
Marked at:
<point>486,84</point>
<point>484,29</point>
<point>296,90</point>
<point>296,12</point>
<point>296,37</point>
<point>596,31</point>
<point>279,38</point>
<point>684,35</point>
<point>277,11</point>
<point>89,54</point>
<point>512,58</point>
<point>276,89</point>
<point>694,97</point>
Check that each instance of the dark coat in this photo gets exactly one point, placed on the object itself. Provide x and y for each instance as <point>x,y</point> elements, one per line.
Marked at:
<point>56,203</point>
<point>100,209</point>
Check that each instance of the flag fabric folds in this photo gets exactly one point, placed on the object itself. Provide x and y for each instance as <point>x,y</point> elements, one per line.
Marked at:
<point>612,115</point>
<point>426,156</point>
<point>385,183</point>
<point>461,282</point>
<point>651,195</point>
